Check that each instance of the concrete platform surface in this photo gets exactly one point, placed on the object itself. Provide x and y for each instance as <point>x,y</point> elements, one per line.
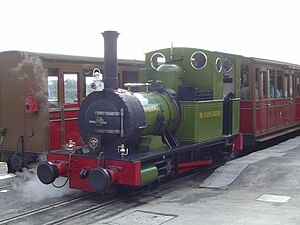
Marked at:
<point>261,188</point>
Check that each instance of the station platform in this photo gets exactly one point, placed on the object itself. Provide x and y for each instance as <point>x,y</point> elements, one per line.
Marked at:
<point>260,188</point>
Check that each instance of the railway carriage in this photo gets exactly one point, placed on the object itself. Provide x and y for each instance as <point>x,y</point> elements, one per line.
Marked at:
<point>40,95</point>
<point>270,107</point>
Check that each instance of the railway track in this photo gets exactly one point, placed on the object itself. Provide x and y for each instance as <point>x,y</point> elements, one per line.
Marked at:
<point>89,206</point>
<point>5,187</point>
<point>37,211</point>
<point>105,211</point>
<point>124,202</point>
<point>98,208</point>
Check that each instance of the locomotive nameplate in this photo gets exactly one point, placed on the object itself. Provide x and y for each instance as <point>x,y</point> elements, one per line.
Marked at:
<point>209,114</point>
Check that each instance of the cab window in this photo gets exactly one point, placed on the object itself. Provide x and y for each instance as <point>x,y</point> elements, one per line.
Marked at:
<point>157,59</point>
<point>198,60</point>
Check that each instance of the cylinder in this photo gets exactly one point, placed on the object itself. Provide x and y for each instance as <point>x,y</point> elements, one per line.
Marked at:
<point>149,174</point>
<point>110,59</point>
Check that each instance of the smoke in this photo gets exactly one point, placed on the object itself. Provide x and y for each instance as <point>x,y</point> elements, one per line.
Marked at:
<point>3,171</point>
<point>38,73</point>
<point>31,59</point>
<point>33,190</point>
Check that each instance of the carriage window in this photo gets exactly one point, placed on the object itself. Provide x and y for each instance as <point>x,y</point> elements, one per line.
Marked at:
<point>297,87</point>
<point>198,60</point>
<point>291,91</point>
<point>272,87</point>
<point>259,84</point>
<point>245,91</point>
<point>285,86</point>
<point>279,83</point>
<point>70,88</point>
<point>157,59</point>
<point>53,91</point>
<point>53,87</point>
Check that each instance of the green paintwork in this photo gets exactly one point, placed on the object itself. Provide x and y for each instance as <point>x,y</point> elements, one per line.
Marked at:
<point>151,143</point>
<point>200,121</point>
<point>149,174</point>
<point>170,74</point>
<point>236,116</point>
<point>207,79</point>
<point>238,77</point>
<point>156,104</point>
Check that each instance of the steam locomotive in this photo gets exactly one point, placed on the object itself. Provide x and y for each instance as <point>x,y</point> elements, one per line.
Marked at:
<point>183,116</point>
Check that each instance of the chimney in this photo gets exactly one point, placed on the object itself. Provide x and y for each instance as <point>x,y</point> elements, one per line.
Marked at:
<point>110,59</point>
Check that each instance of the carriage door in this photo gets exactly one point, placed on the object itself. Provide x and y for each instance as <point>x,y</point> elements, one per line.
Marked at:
<point>262,104</point>
<point>289,109</point>
<point>272,95</point>
<point>71,107</point>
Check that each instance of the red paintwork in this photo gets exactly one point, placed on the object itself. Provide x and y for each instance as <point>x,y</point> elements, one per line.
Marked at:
<point>263,119</point>
<point>62,167</point>
<point>31,104</point>
<point>57,157</point>
<point>297,103</point>
<point>130,173</point>
<point>238,142</point>
<point>54,116</point>
<point>193,164</point>
<point>71,114</point>
<point>122,172</point>
<point>246,117</point>
<point>271,110</point>
<point>270,115</point>
<point>115,174</point>
<point>185,167</point>
<point>71,131</point>
<point>71,127</point>
<point>55,137</point>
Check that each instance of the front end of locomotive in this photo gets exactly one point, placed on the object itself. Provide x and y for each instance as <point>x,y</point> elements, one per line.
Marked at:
<point>119,128</point>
